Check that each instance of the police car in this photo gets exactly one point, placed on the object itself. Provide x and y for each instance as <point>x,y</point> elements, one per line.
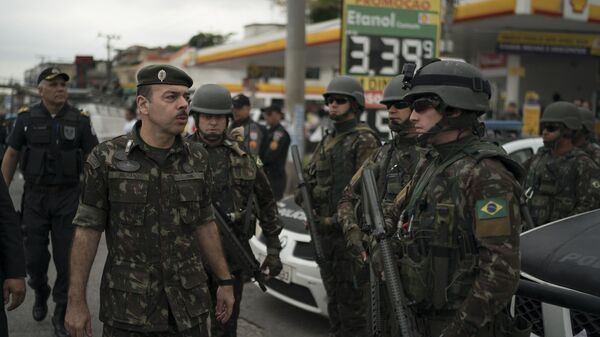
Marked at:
<point>299,283</point>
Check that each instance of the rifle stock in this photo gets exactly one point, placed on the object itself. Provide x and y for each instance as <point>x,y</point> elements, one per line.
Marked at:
<point>392,275</point>
<point>308,207</point>
<point>236,248</point>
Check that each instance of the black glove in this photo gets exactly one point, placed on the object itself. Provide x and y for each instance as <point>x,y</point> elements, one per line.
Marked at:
<point>273,263</point>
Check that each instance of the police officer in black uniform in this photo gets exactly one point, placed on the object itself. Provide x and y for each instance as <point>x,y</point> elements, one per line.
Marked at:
<point>275,149</point>
<point>254,133</point>
<point>50,139</point>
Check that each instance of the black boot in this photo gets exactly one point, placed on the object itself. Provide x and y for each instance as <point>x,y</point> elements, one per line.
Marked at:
<point>40,307</point>
<point>58,320</point>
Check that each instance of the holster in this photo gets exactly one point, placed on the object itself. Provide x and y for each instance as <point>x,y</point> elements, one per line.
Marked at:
<point>507,326</point>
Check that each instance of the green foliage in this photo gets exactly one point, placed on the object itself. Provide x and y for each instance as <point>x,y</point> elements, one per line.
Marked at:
<point>202,40</point>
<point>323,10</point>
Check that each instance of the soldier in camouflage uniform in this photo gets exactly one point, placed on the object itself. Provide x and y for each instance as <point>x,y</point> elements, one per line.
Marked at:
<point>460,222</point>
<point>337,157</point>
<point>393,165</point>
<point>149,191</point>
<point>562,180</point>
<point>586,136</point>
<point>239,183</point>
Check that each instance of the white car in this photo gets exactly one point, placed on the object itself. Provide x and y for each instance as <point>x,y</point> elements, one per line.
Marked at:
<point>299,283</point>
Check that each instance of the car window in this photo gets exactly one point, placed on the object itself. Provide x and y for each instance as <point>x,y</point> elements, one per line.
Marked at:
<point>521,156</point>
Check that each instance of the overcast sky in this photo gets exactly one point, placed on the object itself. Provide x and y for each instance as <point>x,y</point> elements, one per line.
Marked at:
<point>60,29</point>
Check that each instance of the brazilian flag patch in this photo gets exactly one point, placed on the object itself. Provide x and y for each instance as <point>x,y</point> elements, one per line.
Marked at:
<point>492,208</point>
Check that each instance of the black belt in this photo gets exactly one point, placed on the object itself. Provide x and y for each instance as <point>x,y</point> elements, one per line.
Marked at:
<point>49,188</point>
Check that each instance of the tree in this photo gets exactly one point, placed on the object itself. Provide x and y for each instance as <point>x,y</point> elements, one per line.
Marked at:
<point>318,10</point>
<point>202,40</point>
<point>323,10</point>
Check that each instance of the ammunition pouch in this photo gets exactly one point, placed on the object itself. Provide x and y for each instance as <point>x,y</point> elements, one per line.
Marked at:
<point>415,272</point>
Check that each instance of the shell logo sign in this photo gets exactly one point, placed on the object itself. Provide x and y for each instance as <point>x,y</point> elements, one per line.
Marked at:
<point>578,6</point>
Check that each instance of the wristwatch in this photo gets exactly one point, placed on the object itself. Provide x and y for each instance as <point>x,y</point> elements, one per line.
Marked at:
<point>226,282</point>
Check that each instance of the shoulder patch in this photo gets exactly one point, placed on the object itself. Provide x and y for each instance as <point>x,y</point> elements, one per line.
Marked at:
<point>93,161</point>
<point>23,109</point>
<point>492,217</point>
<point>259,162</point>
<point>84,113</point>
<point>596,184</point>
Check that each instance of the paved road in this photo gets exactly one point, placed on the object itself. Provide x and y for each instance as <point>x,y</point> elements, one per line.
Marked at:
<point>262,315</point>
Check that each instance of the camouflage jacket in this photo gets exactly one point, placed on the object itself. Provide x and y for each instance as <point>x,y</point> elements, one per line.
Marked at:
<point>459,234</point>
<point>558,187</point>
<point>238,176</point>
<point>393,165</point>
<point>335,160</point>
<point>593,150</point>
<point>149,214</point>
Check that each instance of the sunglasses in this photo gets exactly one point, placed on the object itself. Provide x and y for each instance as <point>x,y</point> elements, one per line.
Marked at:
<point>551,127</point>
<point>398,105</point>
<point>423,104</point>
<point>337,100</point>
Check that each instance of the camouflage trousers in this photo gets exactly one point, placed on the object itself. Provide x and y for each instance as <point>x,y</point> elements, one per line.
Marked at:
<point>199,330</point>
<point>347,304</point>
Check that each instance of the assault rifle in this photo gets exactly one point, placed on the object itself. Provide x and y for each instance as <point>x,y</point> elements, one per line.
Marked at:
<point>393,283</point>
<point>308,207</point>
<point>237,250</point>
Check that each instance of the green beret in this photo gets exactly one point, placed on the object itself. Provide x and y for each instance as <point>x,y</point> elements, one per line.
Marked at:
<point>163,74</point>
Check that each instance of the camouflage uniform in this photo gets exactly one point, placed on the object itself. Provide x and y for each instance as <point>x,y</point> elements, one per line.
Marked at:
<point>459,219</point>
<point>558,187</point>
<point>460,239</point>
<point>238,176</point>
<point>393,165</point>
<point>398,159</point>
<point>593,150</point>
<point>336,158</point>
<point>149,202</point>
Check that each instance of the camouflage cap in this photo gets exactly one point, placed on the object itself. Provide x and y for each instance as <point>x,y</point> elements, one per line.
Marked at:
<point>51,73</point>
<point>163,74</point>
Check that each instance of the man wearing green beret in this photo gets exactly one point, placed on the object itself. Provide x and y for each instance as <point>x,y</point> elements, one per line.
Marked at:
<point>149,192</point>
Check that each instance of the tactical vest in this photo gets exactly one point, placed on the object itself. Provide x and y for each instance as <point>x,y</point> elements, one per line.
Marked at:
<point>548,189</point>
<point>395,172</point>
<point>52,155</point>
<point>243,176</point>
<point>151,234</point>
<point>439,254</point>
<point>333,166</point>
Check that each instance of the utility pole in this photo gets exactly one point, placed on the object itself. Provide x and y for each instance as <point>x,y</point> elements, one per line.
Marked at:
<point>295,68</point>
<point>109,38</point>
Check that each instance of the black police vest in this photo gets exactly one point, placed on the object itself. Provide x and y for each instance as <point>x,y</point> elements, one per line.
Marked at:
<point>53,154</point>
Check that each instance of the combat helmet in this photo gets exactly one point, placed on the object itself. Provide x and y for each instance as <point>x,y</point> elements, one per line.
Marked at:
<point>562,112</point>
<point>347,86</point>
<point>211,99</point>
<point>458,84</point>
<point>588,121</point>
<point>395,90</point>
